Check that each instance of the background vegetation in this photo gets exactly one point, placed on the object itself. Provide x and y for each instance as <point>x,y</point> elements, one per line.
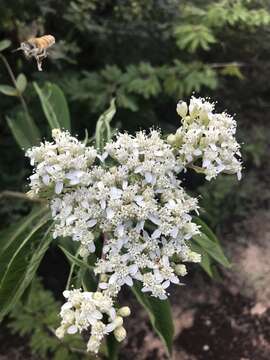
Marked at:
<point>148,54</point>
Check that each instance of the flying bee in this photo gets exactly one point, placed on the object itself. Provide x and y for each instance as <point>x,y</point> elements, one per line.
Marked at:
<point>37,47</point>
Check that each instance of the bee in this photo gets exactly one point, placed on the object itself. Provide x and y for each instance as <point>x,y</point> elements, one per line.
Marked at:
<point>37,47</point>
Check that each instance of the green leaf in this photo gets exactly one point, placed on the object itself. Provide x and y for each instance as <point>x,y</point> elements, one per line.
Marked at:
<point>54,105</point>
<point>9,235</point>
<point>4,44</point>
<point>205,261</point>
<point>212,248</point>
<point>103,130</point>
<point>21,82</point>
<point>160,315</point>
<point>8,90</point>
<point>20,261</point>
<point>112,347</point>
<point>24,130</point>
<point>232,70</point>
<point>205,229</point>
<point>74,260</point>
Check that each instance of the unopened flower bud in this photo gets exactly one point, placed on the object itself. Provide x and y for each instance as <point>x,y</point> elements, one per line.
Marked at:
<point>103,278</point>
<point>171,139</point>
<point>194,257</point>
<point>60,332</point>
<point>56,132</point>
<point>124,311</point>
<point>180,270</point>
<point>204,116</point>
<point>83,252</point>
<point>93,344</point>
<point>97,295</point>
<point>118,321</point>
<point>193,110</point>
<point>182,108</point>
<point>120,333</point>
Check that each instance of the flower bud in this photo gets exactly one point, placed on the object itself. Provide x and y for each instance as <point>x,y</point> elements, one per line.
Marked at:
<point>56,132</point>
<point>193,110</point>
<point>124,311</point>
<point>60,332</point>
<point>103,278</point>
<point>118,321</point>
<point>194,257</point>
<point>204,116</point>
<point>182,108</point>
<point>180,270</point>
<point>93,344</point>
<point>120,333</point>
<point>171,139</point>
<point>97,295</point>
<point>83,252</point>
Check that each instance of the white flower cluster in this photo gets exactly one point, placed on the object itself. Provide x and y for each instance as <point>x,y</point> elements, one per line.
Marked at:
<point>207,138</point>
<point>140,208</point>
<point>134,204</point>
<point>62,163</point>
<point>84,310</point>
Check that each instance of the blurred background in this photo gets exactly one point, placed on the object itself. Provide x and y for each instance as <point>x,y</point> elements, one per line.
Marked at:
<point>149,54</point>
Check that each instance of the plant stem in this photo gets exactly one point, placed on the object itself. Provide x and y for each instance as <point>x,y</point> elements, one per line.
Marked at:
<point>19,195</point>
<point>20,96</point>
<point>71,271</point>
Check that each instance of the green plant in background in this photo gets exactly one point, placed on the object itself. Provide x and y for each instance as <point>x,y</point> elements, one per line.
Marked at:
<point>186,30</point>
<point>53,102</point>
<point>36,316</point>
<point>178,49</point>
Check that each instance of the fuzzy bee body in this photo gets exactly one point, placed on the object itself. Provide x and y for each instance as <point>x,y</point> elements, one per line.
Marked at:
<point>37,48</point>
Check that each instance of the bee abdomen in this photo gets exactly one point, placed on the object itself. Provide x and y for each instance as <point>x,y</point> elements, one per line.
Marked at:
<point>43,42</point>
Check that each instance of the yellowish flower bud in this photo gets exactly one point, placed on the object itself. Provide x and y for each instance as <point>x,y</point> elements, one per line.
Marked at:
<point>171,139</point>
<point>97,295</point>
<point>93,344</point>
<point>182,108</point>
<point>83,252</point>
<point>180,270</point>
<point>60,332</point>
<point>194,257</point>
<point>56,132</point>
<point>124,311</point>
<point>120,333</point>
<point>103,278</point>
<point>118,321</point>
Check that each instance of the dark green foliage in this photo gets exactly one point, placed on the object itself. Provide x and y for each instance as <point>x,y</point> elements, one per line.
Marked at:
<point>159,312</point>
<point>37,318</point>
<point>146,54</point>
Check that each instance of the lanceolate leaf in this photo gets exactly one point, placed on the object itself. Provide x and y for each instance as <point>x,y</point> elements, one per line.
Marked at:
<point>4,44</point>
<point>112,347</point>
<point>205,261</point>
<point>75,260</point>
<point>54,105</point>
<point>160,315</point>
<point>21,227</point>
<point>213,249</point>
<point>205,229</point>
<point>103,129</point>
<point>21,82</point>
<point>19,262</point>
<point>8,90</point>
<point>24,130</point>
<point>208,245</point>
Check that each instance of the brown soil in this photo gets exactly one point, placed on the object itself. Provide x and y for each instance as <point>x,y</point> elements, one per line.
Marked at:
<point>229,320</point>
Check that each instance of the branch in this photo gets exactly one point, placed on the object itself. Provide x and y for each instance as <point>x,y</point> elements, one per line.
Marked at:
<point>19,195</point>
<point>15,84</point>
